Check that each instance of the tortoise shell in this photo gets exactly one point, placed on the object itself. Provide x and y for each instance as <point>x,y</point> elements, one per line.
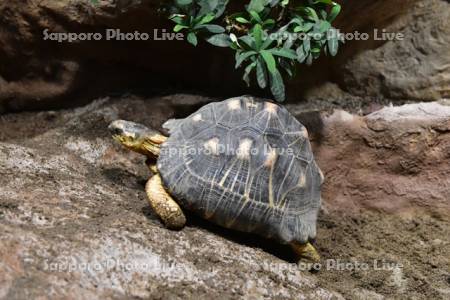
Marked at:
<point>244,164</point>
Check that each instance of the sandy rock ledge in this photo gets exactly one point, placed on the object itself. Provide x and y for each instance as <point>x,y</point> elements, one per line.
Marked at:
<point>74,220</point>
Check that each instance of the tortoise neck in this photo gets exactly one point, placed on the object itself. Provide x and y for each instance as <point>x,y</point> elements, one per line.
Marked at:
<point>151,143</point>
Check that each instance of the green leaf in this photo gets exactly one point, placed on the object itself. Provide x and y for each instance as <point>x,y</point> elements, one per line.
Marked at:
<point>298,28</point>
<point>267,42</point>
<point>301,54</point>
<point>333,43</point>
<point>220,9</point>
<point>241,57</point>
<point>248,40</point>
<point>288,43</point>
<point>179,27</point>
<point>308,26</point>
<point>192,38</point>
<point>322,26</point>
<point>269,22</point>
<point>277,86</point>
<point>255,16</point>
<point>242,20</point>
<point>315,53</point>
<point>298,20</point>
<point>179,19</point>
<point>312,13</point>
<point>335,10</point>
<point>206,19</point>
<point>257,5</point>
<point>247,71</point>
<point>270,60</point>
<point>207,7</point>
<point>261,73</point>
<point>307,45</point>
<point>213,28</point>
<point>304,28</point>
<point>288,53</point>
<point>219,40</point>
<point>215,7</point>
<point>257,35</point>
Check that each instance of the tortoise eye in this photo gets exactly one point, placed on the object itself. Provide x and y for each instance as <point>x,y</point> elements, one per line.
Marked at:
<point>116,131</point>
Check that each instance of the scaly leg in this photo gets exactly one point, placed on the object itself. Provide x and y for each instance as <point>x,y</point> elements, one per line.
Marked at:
<point>163,205</point>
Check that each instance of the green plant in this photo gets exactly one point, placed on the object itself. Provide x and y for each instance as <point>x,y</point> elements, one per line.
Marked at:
<point>268,36</point>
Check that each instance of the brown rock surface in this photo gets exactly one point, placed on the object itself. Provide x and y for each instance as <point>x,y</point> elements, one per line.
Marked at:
<point>36,74</point>
<point>396,160</point>
<point>74,221</point>
<point>415,68</point>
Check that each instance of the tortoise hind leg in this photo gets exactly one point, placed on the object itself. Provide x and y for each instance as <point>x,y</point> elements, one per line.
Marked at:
<point>163,205</point>
<point>306,251</point>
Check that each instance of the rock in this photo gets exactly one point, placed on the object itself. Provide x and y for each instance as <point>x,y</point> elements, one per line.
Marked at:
<point>36,74</point>
<point>74,220</point>
<point>414,68</point>
<point>395,160</point>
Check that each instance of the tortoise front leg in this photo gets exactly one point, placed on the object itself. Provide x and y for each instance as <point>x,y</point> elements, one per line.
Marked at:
<point>163,205</point>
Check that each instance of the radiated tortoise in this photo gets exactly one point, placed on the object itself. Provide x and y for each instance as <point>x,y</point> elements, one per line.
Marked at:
<point>243,163</point>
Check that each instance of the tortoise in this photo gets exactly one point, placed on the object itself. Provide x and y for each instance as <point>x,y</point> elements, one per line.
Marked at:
<point>242,163</point>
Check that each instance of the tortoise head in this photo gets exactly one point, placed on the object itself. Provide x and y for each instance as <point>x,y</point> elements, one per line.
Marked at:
<point>137,137</point>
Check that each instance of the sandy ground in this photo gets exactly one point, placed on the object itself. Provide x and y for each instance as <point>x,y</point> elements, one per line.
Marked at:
<point>369,255</point>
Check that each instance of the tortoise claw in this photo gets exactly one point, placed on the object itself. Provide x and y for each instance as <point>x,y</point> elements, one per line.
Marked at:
<point>306,252</point>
